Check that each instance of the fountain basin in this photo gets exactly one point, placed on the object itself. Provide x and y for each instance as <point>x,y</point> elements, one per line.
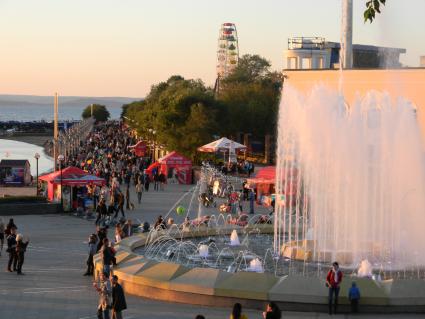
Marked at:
<point>168,281</point>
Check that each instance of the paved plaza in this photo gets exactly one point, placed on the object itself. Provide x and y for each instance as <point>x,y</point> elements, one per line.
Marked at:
<point>53,285</point>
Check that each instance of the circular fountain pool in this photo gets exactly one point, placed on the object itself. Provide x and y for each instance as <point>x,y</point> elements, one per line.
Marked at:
<point>249,249</point>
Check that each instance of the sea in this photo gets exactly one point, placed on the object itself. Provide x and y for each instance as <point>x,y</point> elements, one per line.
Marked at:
<point>20,150</point>
<point>45,113</point>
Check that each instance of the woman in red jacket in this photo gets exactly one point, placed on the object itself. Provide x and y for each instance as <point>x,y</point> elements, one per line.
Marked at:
<point>333,281</point>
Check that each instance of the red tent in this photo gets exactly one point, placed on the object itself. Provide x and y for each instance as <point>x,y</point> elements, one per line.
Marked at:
<point>265,181</point>
<point>174,165</point>
<point>264,175</point>
<point>71,176</point>
<point>139,149</point>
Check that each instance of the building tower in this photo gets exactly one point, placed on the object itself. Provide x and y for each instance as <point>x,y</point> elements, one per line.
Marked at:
<point>227,52</point>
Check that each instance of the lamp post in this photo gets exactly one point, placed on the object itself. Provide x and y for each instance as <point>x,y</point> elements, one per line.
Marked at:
<point>36,156</point>
<point>153,142</point>
<point>61,159</point>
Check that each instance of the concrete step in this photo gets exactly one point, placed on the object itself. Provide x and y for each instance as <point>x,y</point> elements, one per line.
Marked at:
<point>29,209</point>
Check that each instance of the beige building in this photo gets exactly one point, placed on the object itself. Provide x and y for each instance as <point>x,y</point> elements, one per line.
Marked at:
<point>422,61</point>
<point>409,83</point>
<point>317,53</point>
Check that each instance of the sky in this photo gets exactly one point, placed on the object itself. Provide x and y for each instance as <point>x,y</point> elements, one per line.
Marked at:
<point>122,47</point>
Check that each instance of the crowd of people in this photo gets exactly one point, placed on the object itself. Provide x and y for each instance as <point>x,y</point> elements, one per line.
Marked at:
<point>107,154</point>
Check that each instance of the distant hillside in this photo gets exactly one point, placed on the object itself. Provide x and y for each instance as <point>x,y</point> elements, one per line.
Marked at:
<point>77,101</point>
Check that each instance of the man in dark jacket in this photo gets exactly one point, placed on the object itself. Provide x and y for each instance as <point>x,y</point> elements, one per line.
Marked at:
<point>120,202</point>
<point>333,282</point>
<point>118,299</point>
<point>101,211</point>
<point>21,247</point>
<point>11,249</point>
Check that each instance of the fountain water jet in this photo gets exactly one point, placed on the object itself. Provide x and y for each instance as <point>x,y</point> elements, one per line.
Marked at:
<point>365,269</point>
<point>356,176</point>
<point>203,250</point>
<point>234,238</point>
<point>256,265</point>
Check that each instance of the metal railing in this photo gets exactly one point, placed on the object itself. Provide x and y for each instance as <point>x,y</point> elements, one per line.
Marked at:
<point>69,140</point>
<point>308,43</point>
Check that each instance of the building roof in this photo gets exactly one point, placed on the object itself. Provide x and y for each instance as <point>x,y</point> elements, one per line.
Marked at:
<point>12,162</point>
<point>364,47</point>
<point>319,43</point>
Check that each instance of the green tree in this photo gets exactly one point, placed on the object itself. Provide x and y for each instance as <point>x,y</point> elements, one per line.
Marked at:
<point>251,94</point>
<point>100,113</point>
<point>183,113</point>
<point>372,7</point>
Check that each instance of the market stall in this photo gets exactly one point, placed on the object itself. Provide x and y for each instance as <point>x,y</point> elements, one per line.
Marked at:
<point>139,148</point>
<point>75,183</point>
<point>173,166</point>
<point>264,182</point>
<point>225,146</point>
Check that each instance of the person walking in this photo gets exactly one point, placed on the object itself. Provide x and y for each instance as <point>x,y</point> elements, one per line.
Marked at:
<point>120,205</point>
<point>21,247</point>
<point>118,299</point>
<point>1,235</point>
<point>237,312</point>
<point>333,282</point>
<point>9,226</point>
<point>354,297</point>
<point>105,291</point>
<point>139,191</point>
<point>102,233</point>
<point>272,311</point>
<point>147,182</point>
<point>101,211</point>
<point>96,195</point>
<point>107,257</point>
<point>162,181</point>
<point>251,196</point>
<point>127,198</point>
<point>156,181</point>
<point>92,245</point>
<point>11,249</point>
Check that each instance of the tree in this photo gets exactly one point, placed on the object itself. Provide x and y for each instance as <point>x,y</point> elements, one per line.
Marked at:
<point>183,113</point>
<point>372,6</point>
<point>251,94</point>
<point>100,113</point>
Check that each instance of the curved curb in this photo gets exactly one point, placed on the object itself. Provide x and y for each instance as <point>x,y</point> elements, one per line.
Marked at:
<point>173,282</point>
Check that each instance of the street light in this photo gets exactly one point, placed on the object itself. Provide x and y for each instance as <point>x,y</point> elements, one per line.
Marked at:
<point>153,142</point>
<point>36,156</point>
<point>61,158</point>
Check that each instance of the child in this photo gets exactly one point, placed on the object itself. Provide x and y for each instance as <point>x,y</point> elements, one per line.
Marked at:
<point>354,296</point>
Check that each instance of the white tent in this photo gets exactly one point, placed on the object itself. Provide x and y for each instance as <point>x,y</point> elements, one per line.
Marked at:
<point>222,145</point>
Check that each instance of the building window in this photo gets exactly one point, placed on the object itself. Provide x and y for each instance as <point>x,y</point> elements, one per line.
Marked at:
<point>291,63</point>
<point>306,63</point>
<point>320,64</point>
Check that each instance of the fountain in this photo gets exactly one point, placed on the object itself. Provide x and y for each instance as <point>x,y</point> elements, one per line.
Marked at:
<point>203,250</point>
<point>356,173</point>
<point>234,238</point>
<point>350,184</point>
<point>255,265</point>
<point>365,269</point>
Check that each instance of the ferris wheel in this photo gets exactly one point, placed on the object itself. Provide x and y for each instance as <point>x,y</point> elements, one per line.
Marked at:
<point>228,50</point>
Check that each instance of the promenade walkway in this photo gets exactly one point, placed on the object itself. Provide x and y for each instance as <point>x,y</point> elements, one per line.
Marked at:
<point>53,285</point>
